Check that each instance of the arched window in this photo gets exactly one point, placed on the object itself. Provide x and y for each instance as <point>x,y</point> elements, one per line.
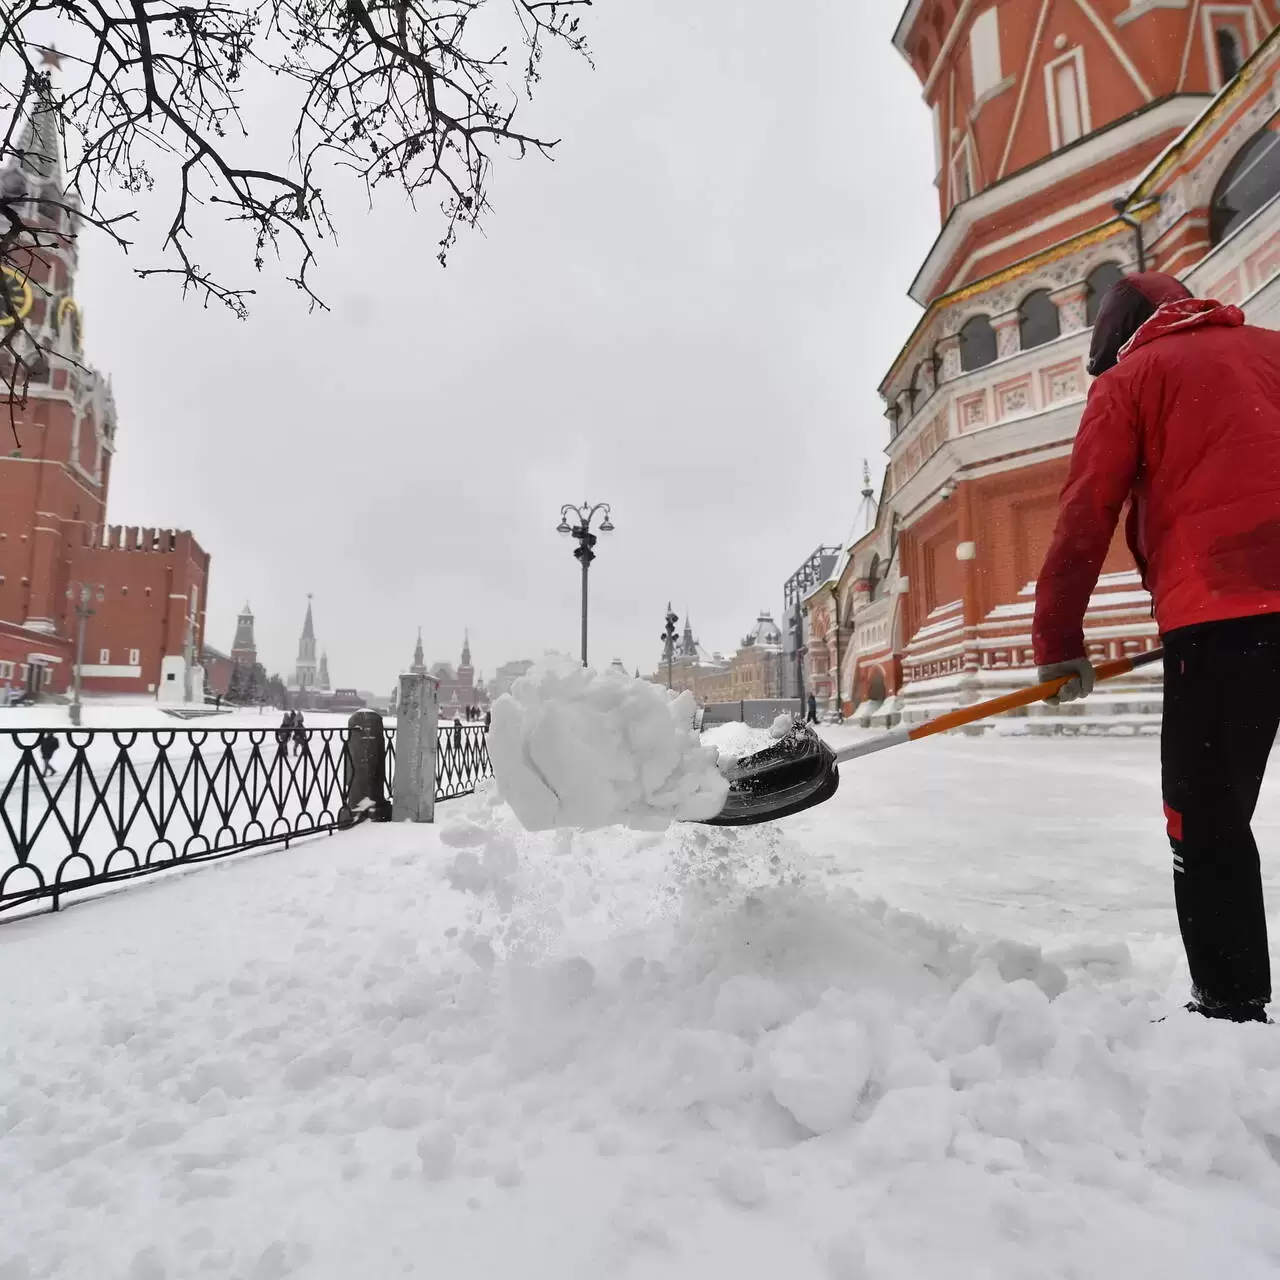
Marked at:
<point>1252,180</point>
<point>1038,320</point>
<point>977,344</point>
<point>1096,285</point>
<point>873,577</point>
<point>875,686</point>
<point>1230,54</point>
<point>914,390</point>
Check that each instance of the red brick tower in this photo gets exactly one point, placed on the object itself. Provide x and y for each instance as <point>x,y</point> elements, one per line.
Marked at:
<point>244,649</point>
<point>53,485</point>
<point>148,586</point>
<point>1047,111</point>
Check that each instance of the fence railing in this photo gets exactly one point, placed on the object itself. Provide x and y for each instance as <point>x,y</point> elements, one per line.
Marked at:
<point>112,804</point>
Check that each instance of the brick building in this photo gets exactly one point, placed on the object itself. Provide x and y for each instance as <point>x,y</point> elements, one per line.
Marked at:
<point>1075,140</point>
<point>146,587</point>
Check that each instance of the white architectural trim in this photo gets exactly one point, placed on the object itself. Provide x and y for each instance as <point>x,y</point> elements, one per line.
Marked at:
<point>958,25</point>
<point>1003,87</point>
<point>1114,45</point>
<point>1139,8</point>
<point>1176,113</point>
<point>1072,56</point>
<point>1103,198</point>
<point>985,54</point>
<point>1207,15</point>
<point>102,672</point>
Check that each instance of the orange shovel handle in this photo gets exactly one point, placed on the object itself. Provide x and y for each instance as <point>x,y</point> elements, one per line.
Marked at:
<point>1025,697</point>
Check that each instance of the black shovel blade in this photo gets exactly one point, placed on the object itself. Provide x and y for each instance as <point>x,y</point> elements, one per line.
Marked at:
<point>797,772</point>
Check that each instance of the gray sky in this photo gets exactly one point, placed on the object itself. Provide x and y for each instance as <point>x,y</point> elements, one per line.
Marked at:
<point>685,315</point>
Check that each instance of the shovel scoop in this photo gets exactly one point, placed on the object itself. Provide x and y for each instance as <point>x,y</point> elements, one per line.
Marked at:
<point>801,770</point>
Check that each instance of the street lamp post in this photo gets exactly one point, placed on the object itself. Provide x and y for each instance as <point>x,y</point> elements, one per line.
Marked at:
<point>669,642</point>
<point>581,533</point>
<point>82,599</point>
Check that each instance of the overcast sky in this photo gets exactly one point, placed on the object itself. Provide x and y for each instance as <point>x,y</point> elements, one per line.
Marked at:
<point>685,315</point>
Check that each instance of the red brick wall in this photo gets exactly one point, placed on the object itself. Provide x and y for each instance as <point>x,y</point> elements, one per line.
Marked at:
<point>17,648</point>
<point>144,605</point>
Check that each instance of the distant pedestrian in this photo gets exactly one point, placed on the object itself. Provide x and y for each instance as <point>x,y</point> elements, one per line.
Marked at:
<point>285,729</point>
<point>457,733</point>
<point>48,744</point>
<point>299,734</point>
<point>812,717</point>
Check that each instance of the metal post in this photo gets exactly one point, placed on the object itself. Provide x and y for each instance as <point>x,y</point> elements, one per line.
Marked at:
<point>835,613</point>
<point>188,653</point>
<point>586,567</point>
<point>82,613</point>
<point>582,535</point>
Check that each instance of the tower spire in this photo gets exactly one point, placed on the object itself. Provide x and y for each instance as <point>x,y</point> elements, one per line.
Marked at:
<point>419,658</point>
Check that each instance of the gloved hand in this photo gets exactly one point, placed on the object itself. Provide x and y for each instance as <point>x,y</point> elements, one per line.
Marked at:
<point>1079,686</point>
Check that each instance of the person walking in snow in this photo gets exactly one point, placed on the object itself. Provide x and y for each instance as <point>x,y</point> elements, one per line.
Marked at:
<point>488,719</point>
<point>1183,423</point>
<point>457,733</point>
<point>48,744</point>
<point>812,717</point>
<point>299,734</point>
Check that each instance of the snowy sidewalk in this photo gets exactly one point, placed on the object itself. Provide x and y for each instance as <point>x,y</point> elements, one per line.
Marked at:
<point>471,1053</point>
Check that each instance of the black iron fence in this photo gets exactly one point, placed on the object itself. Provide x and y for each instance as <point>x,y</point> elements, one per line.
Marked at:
<point>462,760</point>
<point>108,805</point>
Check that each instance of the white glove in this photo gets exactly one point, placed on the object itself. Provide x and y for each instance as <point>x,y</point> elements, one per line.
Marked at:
<point>1079,686</point>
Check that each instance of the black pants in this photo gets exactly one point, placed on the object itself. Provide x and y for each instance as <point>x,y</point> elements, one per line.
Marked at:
<point>1221,713</point>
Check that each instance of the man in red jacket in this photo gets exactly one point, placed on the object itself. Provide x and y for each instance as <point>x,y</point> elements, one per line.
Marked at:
<point>1183,423</point>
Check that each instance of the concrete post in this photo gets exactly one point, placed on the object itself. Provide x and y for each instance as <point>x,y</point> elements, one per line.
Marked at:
<point>366,780</point>
<point>417,720</point>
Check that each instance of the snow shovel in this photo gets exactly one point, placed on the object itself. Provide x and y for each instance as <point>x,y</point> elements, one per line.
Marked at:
<point>800,770</point>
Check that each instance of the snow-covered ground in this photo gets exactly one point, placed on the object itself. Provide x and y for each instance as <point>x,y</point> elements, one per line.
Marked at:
<point>469,1052</point>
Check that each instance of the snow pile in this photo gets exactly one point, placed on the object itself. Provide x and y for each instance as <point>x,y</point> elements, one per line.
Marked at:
<point>476,1053</point>
<point>572,747</point>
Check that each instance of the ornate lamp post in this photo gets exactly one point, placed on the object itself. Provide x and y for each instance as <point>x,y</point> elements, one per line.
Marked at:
<point>669,642</point>
<point>580,532</point>
<point>82,598</point>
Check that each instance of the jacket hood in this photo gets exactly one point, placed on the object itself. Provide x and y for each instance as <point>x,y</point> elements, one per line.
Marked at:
<point>1126,307</point>
<point>1177,317</point>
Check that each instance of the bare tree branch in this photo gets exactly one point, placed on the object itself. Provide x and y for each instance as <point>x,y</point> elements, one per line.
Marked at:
<point>395,91</point>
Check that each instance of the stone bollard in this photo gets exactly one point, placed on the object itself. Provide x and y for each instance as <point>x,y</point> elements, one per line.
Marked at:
<point>367,767</point>
<point>418,718</point>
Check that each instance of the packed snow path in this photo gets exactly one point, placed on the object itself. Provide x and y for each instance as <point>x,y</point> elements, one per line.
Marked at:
<point>472,1053</point>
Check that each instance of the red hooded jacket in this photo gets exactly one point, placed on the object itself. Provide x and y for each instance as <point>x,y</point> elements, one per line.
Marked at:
<point>1186,427</point>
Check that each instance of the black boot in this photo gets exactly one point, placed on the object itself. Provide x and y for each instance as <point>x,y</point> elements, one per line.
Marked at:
<point>1249,1011</point>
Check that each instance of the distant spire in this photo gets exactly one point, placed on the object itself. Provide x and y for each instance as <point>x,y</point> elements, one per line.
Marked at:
<point>247,611</point>
<point>308,626</point>
<point>867,509</point>
<point>419,658</point>
<point>39,146</point>
<point>466,648</point>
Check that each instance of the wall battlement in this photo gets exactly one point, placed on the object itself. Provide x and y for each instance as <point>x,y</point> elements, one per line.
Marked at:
<point>120,537</point>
